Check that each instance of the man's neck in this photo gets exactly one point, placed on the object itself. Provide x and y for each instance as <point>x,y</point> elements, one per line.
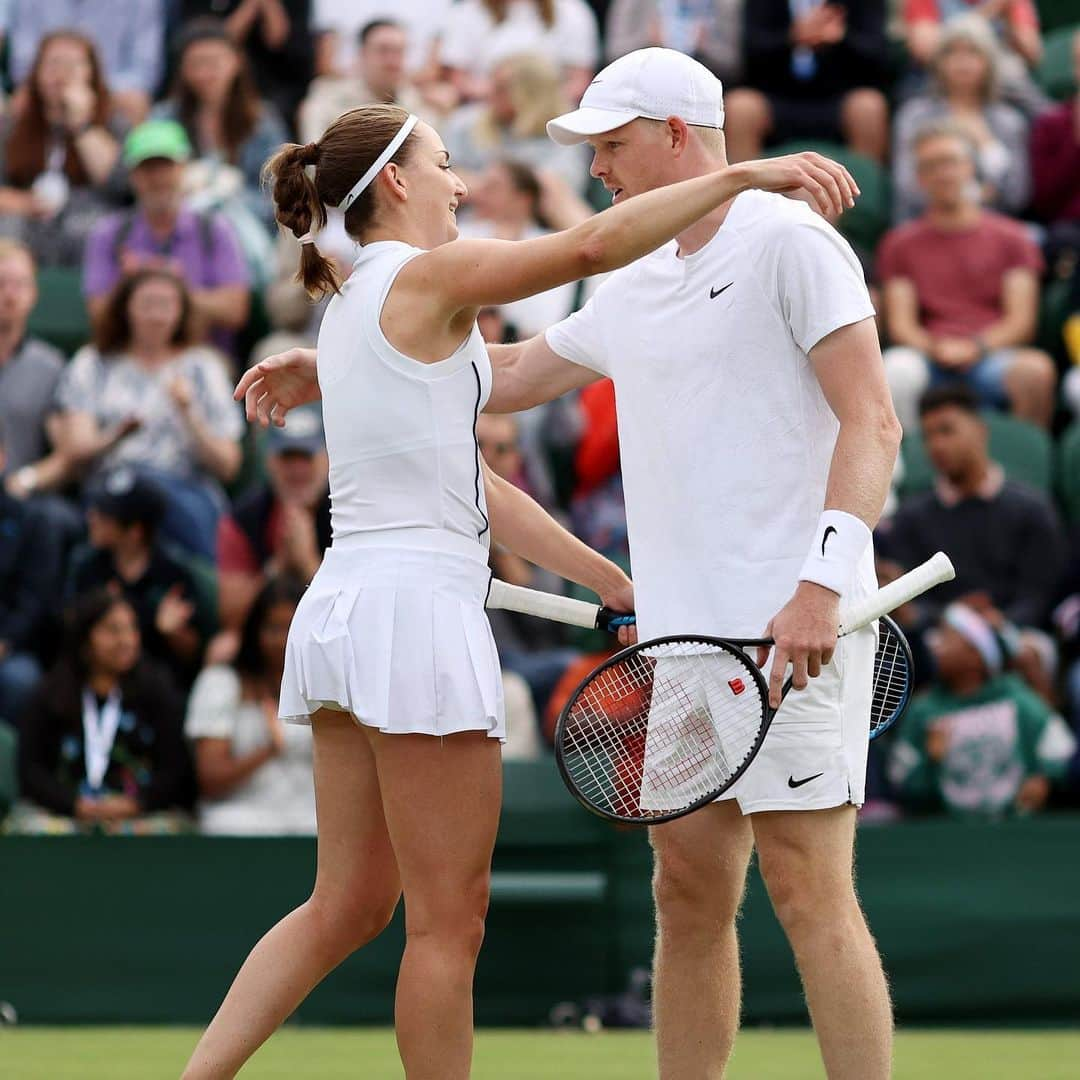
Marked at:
<point>967,684</point>
<point>102,683</point>
<point>959,216</point>
<point>10,336</point>
<point>972,481</point>
<point>704,229</point>
<point>131,561</point>
<point>162,223</point>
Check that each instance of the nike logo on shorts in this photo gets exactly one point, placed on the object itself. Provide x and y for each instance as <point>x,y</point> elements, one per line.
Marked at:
<point>793,783</point>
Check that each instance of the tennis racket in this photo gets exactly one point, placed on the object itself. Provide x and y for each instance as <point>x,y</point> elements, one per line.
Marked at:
<point>669,724</point>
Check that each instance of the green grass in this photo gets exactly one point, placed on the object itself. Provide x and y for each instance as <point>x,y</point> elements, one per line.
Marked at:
<point>329,1054</point>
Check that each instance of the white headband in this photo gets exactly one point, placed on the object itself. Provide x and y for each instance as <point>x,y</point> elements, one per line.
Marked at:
<point>977,632</point>
<point>380,161</point>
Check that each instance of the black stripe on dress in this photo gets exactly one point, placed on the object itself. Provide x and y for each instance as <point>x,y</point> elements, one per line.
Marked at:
<point>476,444</point>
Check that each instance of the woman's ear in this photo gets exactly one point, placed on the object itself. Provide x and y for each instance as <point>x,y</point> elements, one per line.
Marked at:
<point>396,182</point>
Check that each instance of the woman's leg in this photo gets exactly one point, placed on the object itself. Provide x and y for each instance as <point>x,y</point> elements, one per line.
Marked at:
<point>356,890</point>
<point>441,800</point>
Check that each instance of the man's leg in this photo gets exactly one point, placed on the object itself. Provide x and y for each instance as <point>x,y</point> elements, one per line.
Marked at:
<point>806,861</point>
<point>698,881</point>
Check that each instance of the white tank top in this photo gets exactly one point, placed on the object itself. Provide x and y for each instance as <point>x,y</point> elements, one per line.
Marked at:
<point>401,434</point>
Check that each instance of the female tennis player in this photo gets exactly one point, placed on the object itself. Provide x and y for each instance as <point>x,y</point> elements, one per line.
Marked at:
<point>390,657</point>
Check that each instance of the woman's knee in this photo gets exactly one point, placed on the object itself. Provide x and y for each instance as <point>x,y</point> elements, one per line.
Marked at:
<point>346,922</point>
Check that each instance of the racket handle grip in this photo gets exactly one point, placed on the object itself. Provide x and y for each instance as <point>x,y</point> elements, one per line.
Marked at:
<point>562,609</point>
<point>934,571</point>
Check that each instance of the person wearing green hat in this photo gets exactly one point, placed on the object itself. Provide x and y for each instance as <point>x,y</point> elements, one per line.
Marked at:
<point>162,232</point>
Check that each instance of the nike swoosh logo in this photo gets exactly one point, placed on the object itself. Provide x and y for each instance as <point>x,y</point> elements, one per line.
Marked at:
<point>829,530</point>
<point>714,293</point>
<point>793,783</point>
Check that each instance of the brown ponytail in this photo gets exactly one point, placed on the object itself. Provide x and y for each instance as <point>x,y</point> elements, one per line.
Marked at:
<point>349,147</point>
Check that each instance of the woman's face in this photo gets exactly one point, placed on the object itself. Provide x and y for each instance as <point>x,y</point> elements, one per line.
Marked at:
<point>502,94</point>
<point>209,68</point>
<point>964,68</point>
<point>113,645</point>
<point>64,63</point>
<point>497,199</point>
<point>154,312</point>
<point>274,632</point>
<point>434,189</point>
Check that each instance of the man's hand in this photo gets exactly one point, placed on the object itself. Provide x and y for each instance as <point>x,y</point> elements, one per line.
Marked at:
<point>173,613</point>
<point>1033,793</point>
<point>277,384</point>
<point>957,354</point>
<point>830,187</point>
<point>804,632</point>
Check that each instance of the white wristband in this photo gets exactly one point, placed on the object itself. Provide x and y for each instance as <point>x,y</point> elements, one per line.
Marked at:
<point>839,542</point>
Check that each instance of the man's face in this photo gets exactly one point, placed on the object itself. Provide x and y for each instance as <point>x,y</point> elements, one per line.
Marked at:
<point>107,533</point>
<point>157,183</point>
<point>497,438</point>
<point>298,478</point>
<point>382,59</point>
<point>946,171</point>
<point>18,290</point>
<point>634,158</point>
<point>955,441</point>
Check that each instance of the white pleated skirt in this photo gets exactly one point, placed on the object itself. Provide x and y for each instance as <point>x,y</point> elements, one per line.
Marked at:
<point>393,630</point>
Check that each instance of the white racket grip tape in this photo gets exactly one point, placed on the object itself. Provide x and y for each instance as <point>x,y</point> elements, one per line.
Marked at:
<point>562,609</point>
<point>934,571</point>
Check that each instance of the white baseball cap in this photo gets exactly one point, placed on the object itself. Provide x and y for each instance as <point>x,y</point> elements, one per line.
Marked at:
<point>654,83</point>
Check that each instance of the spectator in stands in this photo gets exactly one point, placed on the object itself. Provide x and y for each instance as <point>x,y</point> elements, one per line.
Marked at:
<point>1016,23</point>
<point>1067,625</point>
<point>30,372</point>
<point>254,772</point>
<point>479,34</point>
<point>233,131</point>
<point>129,36</point>
<point>1055,157</point>
<point>505,204</point>
<point>162,232</point>
<point>280,528</point>
<point>377,74</point>
<point>961,287</point>
<point>511,123</point>
<point>708,30</point>
<point>126,555</point>
<point>812,72</point>
<point>532,652</point>
<point>144,394</point>
<point>27,584</point>
<point>101,745</point>
<point>60,161</point>
<point>276,37</point>
<point>979,742</point>
<point>965,89</point>
<point>1004,539</point>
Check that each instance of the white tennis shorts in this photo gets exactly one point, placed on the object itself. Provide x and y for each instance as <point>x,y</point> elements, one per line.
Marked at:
<point>393,630</point>
<point>814,754</point>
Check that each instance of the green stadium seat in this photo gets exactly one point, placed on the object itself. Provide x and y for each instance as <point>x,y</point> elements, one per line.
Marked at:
<point>9,784</point>
<point>1024,451</point>
<point>60,316</point>
<point>867,221</point>
<point>1055,14</point>
<point>1053,311</point>
<point>1055,74</point>
<point>1068,473</point>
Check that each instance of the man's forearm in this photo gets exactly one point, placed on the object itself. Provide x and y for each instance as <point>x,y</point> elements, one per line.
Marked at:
<point>862,467</point>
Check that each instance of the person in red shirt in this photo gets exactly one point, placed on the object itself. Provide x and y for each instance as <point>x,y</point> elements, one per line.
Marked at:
<point>962,292</point>
<point>1055,157</point>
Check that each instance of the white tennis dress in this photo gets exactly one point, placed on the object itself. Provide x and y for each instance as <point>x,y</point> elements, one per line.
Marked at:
<point>392,629</point>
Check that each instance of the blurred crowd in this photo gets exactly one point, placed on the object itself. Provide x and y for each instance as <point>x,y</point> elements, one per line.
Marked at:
<point>153,546</point>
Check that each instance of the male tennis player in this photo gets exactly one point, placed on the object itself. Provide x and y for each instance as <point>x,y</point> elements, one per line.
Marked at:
<point>757,440</point>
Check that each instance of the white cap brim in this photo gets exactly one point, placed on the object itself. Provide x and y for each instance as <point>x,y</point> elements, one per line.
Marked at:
<point>575,127</point>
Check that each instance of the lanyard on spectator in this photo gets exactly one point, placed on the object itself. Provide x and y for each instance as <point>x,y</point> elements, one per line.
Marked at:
<point>99,734</point>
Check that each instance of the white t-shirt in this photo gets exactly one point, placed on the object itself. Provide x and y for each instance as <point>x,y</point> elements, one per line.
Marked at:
<point>724,432</point>
<point>423,19</point>
<point>474,42</point>
<point>279,797</point>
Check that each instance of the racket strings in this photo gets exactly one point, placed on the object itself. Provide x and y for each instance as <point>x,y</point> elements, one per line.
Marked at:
<point>892,678</point>
<point>661,730</point>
